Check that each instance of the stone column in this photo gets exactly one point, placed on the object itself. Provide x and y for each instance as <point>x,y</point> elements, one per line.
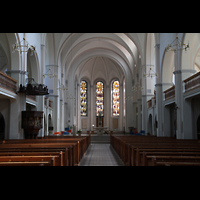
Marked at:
<point>139,103</point>
<point>24,61</point>
<point>107,114</point>
<point>159,92</point>
<point>179,103</point>
<point>54,96</point>
<point>187,118</point>
<point>159,108</point>
<point>40,107</point>
<point>144,113</point>
<point>134,114</point>
<point>40,99</point>
<point>41,79</point>
<point>178,95</point>
<point>47,118</point>
<point>92,102</point>
<point>79,118</point>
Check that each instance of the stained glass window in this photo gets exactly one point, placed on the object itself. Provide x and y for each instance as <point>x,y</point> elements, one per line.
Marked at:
<point>83,97</point>
<point>99,99</point>
<point>115,98</point>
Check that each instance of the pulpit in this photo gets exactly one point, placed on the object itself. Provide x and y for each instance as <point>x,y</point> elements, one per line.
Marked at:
<point>31,123</point>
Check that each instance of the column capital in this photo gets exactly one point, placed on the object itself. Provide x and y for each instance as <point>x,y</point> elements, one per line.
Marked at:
<point>148,95</point>
<point>157,46</point>
<point>177,72</point>
<point>184,71</point>
<point>162,84</point>
<point>158,84</point>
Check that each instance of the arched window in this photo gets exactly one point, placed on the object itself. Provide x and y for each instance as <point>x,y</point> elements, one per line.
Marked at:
<point>83,97</point>
<point>99,99</point>
<point>115,98</point>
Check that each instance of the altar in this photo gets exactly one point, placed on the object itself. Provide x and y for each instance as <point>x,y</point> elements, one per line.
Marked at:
<point>99,124</point>
<point>100,129</point>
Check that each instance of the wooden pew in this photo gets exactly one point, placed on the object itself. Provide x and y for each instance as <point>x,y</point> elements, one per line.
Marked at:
<point>147,156</point>
<point>27,161</point>
<point>130,148</point>
<point>66,152</point>
<point>135,150</point>
<point>80,149</point>
<point>185,161</point>
<point>137,153</point>
<point>73,148</point>
<point>58,155</point>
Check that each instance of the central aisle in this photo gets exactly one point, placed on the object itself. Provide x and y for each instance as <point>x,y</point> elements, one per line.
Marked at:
<point>100,155</point>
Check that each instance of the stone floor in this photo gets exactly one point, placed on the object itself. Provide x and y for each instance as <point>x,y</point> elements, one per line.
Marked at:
<point>100,155</point>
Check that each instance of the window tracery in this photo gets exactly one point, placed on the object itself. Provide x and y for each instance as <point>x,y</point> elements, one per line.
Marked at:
<point>83,97</point>
<point>115,98</point>
<point>99,99</point>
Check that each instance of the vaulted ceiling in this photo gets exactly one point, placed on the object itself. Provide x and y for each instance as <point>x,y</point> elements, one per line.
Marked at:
<point>72,49</point>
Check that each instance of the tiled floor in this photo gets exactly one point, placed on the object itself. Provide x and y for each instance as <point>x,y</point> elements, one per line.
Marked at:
<point>100,155</point>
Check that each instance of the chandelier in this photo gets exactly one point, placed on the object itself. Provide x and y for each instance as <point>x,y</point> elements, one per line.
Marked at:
<point>177,46</point>
<point>151,73</point>
<point>137,87</point>
<point>23,46</point>
<point>62,87</point>
<point>49,74</point>
<point>71,97</point>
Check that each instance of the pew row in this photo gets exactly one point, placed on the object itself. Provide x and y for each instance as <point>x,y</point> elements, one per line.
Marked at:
<point>28,160</point>
<point>70,149</point>
<point>132,149</point>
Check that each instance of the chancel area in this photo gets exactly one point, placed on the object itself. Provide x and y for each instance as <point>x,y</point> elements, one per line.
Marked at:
<point>127,88</point>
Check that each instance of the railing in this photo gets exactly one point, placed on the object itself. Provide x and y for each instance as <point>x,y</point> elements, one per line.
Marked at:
<point>32,97</point>
<point>46,99</point>
<point>192,82</point>
<point>154,100</point>
<point>170,93</point>
<point>50,103</point>
<point>7,82</point>
<point>149,103</point>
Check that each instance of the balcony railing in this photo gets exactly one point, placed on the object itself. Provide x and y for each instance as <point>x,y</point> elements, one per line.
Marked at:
<point>149,103</point>
<point>170,93</point>
<point>45,101</point>
<point>50,103</point>
<point>154,100</point>
<point>32,97</point>
<point>192,82</point>
<point>7,82</point>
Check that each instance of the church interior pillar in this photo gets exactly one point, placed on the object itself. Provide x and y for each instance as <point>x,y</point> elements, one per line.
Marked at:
<point>159,108</point>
